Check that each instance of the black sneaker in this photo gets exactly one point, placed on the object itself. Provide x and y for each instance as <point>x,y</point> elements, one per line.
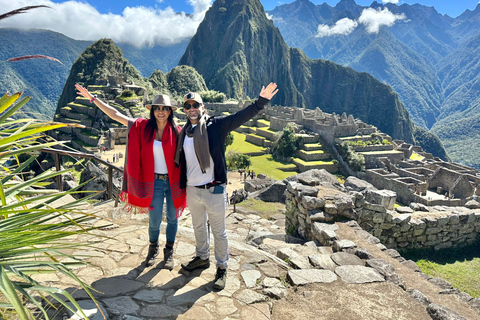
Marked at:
<point>168,258</point>
<point>196,263</point>
<point>152,254</point>
<point>220,279</point>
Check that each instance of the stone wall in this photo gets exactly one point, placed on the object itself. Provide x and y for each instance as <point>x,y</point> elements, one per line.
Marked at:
<point>259,141</point>
<point>223,107</point>
<point>376,147</point>
<point>414,227</point>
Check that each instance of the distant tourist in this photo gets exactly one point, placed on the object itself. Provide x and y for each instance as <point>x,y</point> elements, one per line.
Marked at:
<point>150,174</point>
<point>201,154</point>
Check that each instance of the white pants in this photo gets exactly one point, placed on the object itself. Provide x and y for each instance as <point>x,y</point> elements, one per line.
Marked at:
<point>206,206</point>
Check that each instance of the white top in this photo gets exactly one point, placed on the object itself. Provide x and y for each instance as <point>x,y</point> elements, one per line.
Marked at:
<point>159,158</point>
<point>195,177</point>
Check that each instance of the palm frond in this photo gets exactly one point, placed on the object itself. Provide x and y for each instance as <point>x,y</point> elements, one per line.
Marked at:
<point>34,56</point>
<point>21,10</point>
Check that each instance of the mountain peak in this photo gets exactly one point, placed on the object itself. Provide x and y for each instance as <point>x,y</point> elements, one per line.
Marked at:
<point>346,4</point>
<point>99,60</point>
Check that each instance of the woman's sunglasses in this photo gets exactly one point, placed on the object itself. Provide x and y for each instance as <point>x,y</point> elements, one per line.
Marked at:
<point>161,108</point>
<point>194,105</point>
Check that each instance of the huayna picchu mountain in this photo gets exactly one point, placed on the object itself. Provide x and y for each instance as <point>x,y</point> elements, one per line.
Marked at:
<point>105,72</point>
<point>98,61</point>
<point>237,50</point>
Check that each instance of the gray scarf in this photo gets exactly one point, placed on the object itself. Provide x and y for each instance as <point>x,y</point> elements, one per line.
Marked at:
<point>200,142</point>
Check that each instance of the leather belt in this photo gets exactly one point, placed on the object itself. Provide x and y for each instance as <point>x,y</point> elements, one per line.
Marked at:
<point>207,186</point>
<point>162,176</point>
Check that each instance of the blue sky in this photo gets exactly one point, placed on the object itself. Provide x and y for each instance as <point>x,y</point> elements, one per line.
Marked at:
<point>164,22</point>
<point>450,7</point>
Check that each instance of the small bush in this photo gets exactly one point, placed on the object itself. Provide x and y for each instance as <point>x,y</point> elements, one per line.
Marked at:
<point>238,160</point>
<point>213,96</point>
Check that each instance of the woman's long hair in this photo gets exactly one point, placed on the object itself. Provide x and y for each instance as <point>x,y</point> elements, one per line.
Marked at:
<point>151,126</point>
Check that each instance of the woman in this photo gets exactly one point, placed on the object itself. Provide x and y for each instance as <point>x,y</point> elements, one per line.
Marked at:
<point>150,174</point>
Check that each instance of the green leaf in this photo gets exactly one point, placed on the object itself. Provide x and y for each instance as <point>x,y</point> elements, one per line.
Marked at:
<point>6,286</point>
<point>12,110</point>
<point>7,101</point>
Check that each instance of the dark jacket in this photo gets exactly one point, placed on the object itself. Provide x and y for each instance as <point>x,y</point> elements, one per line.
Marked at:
<point>218,128</point>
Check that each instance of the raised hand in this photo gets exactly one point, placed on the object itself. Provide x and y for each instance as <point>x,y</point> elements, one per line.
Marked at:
<point>269,91</point>
<point>83,92</point>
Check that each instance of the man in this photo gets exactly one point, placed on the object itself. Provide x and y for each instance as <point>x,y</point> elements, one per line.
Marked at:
<point>201,153</point>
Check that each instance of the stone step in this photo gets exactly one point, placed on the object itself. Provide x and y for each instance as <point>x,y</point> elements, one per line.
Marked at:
<point>312,146</point>
<point>314,155</point>
<point>308,165</point>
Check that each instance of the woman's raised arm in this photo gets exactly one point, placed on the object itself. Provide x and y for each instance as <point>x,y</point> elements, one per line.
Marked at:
<point>107,109</point>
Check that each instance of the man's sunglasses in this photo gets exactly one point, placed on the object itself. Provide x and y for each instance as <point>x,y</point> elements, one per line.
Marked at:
<point>194,105</point>
<point>161,108</point>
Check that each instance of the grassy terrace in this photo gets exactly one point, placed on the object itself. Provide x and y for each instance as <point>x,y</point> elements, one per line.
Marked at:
<point>416,156</point>
<point>241,146</point>
<point>274,169</point>
<point>267,130</point>
<point>77,105</point>
<point>264,163</point>
<point>381,152</point>
<point>313,152</point>
<point>457,266</point>
<point>263,121</point>
<point>313,145</point>
<point>313,163</point>
<point>264,209</point>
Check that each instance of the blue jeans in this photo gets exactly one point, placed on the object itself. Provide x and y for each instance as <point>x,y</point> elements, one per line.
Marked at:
<point>162,190</point>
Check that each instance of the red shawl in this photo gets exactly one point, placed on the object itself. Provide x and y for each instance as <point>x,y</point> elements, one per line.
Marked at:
<point>139,175</point>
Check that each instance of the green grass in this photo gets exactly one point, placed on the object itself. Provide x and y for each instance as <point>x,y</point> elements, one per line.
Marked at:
<point>263,121</point>
<point>275,170</point>
<point>340,177</point>
<point>314,152</point>
<point>76,104</point>
<point>313,145</point>
<point>313,163</point>
<point>416,156</point>
<point>459,266</point>
<point>267,130</point>
<point>380,152</point>
<point>241,146</point>
<point>264,209</point>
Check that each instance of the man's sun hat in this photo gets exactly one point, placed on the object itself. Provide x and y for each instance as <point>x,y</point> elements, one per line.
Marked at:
<point>161,100</point>
<point>193,96</point>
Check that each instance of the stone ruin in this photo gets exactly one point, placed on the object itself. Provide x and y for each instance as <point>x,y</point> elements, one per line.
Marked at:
<point>314,198</point>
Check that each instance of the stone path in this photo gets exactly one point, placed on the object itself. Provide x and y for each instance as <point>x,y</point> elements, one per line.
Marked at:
<point>266,269</point>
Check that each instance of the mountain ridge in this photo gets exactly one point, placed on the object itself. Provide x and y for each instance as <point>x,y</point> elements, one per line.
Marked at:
<point>248,42</point>
<point>425,60</point>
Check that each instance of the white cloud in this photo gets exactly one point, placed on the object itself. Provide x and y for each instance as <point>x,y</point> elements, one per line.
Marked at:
<point>273,18</point>
<point>371,18</point>
<point>374,19</point>
<point>139,26</point>
<point>390,1</point>
<point>343,26</point>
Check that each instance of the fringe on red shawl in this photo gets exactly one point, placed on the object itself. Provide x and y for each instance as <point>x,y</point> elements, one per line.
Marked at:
<point>130,208</point>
